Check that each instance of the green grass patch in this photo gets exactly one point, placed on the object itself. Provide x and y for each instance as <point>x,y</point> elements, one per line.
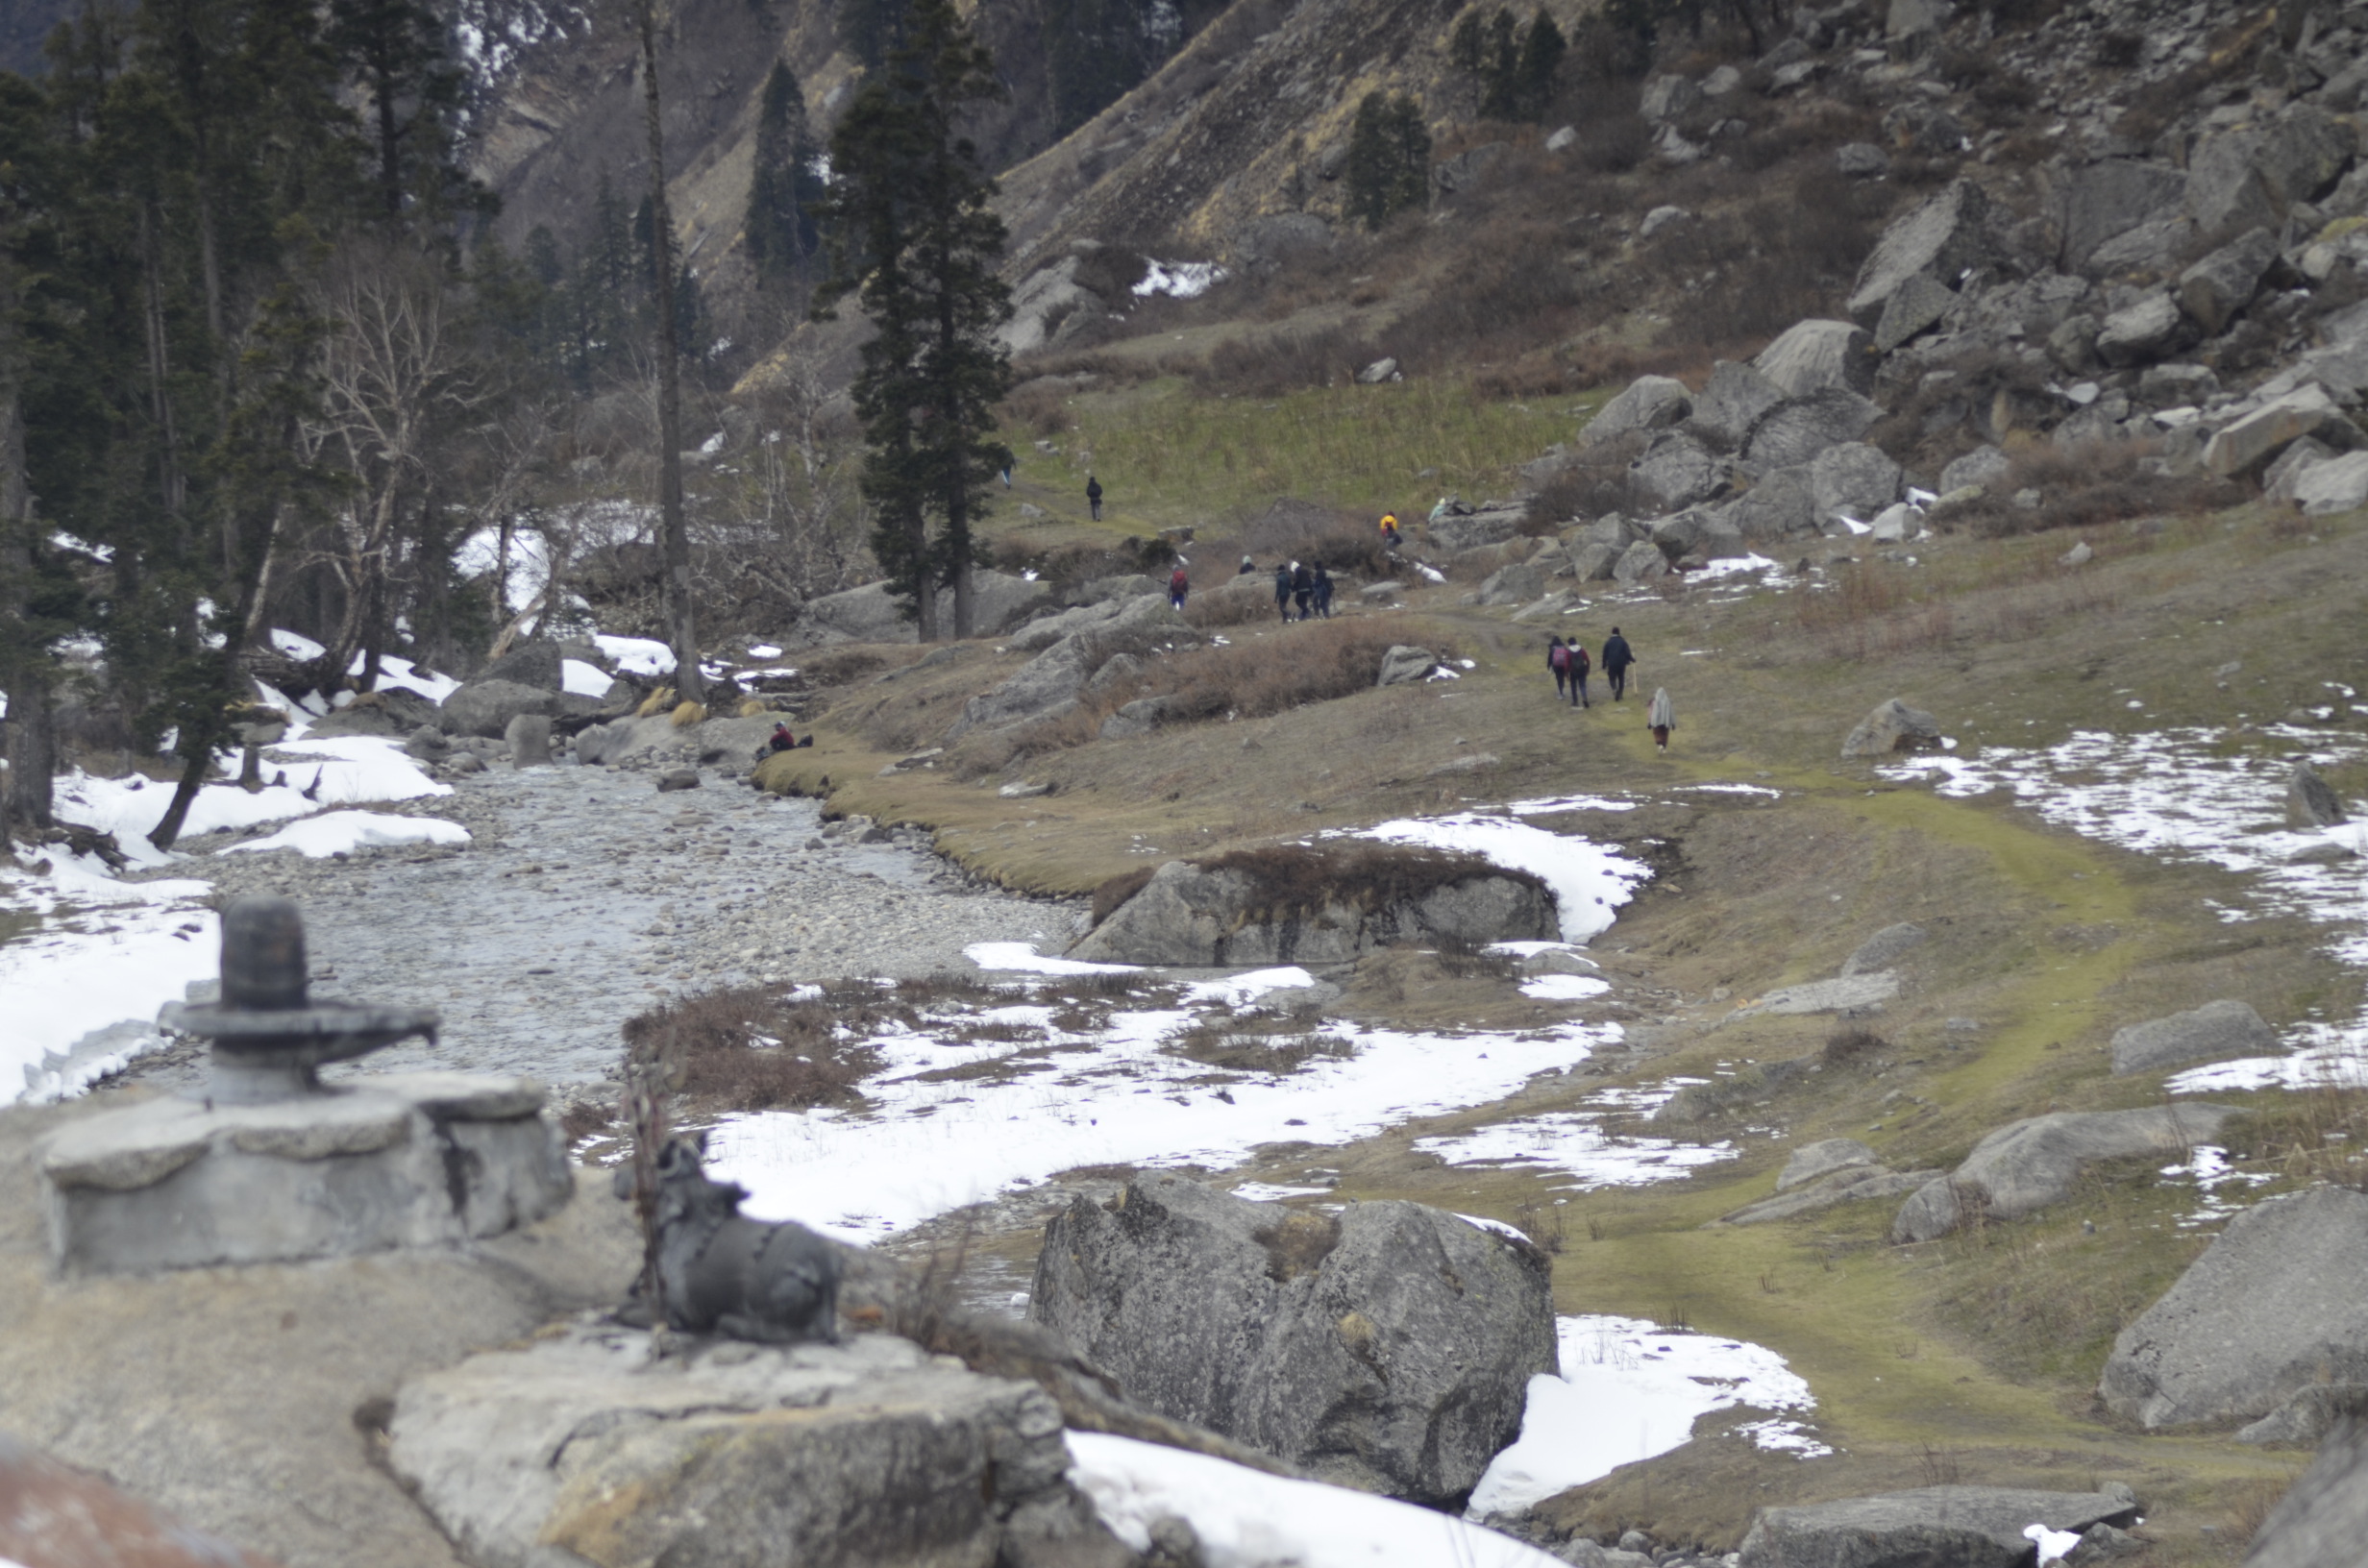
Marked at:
<point>1167,455</point>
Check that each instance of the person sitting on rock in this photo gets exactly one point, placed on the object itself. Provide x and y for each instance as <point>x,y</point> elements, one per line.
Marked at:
<point>781,740</point>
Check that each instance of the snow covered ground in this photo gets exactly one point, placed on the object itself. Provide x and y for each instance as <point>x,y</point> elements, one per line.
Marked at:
<point>2205,795</point>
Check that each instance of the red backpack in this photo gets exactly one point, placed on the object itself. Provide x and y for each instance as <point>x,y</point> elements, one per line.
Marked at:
<point>1578,657</point>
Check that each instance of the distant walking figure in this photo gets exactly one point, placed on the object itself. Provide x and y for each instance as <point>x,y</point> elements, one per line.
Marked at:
<point>1282,589</point>
<point>1303,586</point>
<point>1093,495</point>
<point>1178,585</point>
<point>1662,714</point>
<point>1389,532</point>
<point>1578,674</point>
<point>1616,659</point>
<point>1324,592</point>
<point>1558,660</point>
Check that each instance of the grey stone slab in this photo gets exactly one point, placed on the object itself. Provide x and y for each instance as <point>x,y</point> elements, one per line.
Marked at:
<point>2027,1165</point>
<point>2213,1032</point>
<point>1933,1526</point>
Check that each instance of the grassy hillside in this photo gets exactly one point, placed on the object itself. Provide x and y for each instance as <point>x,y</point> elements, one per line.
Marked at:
<point>1970,1358</point>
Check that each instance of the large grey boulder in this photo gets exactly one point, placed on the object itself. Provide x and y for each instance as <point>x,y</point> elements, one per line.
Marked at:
<point>1402,665</point>
<point>584,1447</point>
<point>530,664</point>
<point>1892,727</point>
<point>2210,1033</point>
<point>2273,1304</point>
<point>2322,489</point>
<point>1798,429</point>
<point>1850,994</point>
<point>529,737</point>
<point>1816,1161</point>
<point>1918,303</point>
<point>1731,403</point>
<point>1811,356</point>
<point>2026,1165</point>
<point>2249,441</point>
<point>1676,472</point>
<point>1518,584</point>
<point>1983,465</point>
<point>2226,193</point>
<point>1884,948</point>
<point>1933,1526</point>
<point>1853,478</point>
<point>2308,1414</point>
<point>1044,631</point>
<point>2144,331</point>
<point>1853,1183</point>
<point>1388,1348</point>
<point>1318,906</point>
<point>1940,240</point>
<point>1640,562</point>
<point>1044,687</point>
<point>2223,284</point>
<point>1783,505</point>
<point>485,708</point>
<point>2324,1516</point>
<point>2309,800</point>
<point>1470,531</point>
<point>1650,403</point>
<point>2094,203</point>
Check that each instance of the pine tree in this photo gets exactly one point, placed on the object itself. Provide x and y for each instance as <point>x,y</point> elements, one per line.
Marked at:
<point>1388,166</point>
<point>911,235</point>
<point>1515,65</point>
<point>782,186</point>
<point>1542,47</point>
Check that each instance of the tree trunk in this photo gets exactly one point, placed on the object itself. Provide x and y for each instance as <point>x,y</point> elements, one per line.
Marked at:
<point>33,746</point>
<point>678,544</point>
<point>25,669</point>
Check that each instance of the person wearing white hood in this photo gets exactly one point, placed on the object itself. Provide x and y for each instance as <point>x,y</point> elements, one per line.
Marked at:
<point>1661,715</point>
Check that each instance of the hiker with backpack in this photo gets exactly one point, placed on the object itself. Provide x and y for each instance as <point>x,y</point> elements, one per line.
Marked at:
<point>1558,660</point>
<point>1617,661</point>
<point>1178,585</point>
<point>1578,674</point>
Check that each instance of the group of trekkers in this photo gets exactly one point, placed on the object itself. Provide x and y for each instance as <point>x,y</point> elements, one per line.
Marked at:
<point>1308,587</point>
<point>1571,666</point>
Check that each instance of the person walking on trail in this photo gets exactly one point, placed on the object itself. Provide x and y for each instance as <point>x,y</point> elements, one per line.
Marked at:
<point>1661,715</point>
<point>1093,495</point>
<point>1617,659</point>
<point>1303,586</point>
<point>1178,584</point>
<point>1282,589</point>
<point>1558,660</point>
<point>1324,592</point>
<point>1578,674</point>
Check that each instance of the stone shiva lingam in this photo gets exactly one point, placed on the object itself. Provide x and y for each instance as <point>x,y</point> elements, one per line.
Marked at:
<point>267,1164</point>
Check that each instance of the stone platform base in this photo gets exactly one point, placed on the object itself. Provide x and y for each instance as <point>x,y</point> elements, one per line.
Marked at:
<point>582,1448</point>
<point>399,1161</point>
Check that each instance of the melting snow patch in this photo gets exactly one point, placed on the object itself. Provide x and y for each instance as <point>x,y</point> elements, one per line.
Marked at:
<point>1180,280</point>
<point>1575,1143</point>
<point>1023,957</point>
<point>1545,805</point>
<point>1116,1096</point>
<point>1589,880</point>
<point>2208,1169</point>
<point>342,832</point>
<point>1629,1390</point>
<point>2053,1544</point>
<point>638,656</point>
<point>1245,1518</point>
<point>1564,988</point>
<point>583,680</point>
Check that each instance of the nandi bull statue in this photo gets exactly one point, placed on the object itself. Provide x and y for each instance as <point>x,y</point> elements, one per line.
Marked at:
<point>720,1273</point>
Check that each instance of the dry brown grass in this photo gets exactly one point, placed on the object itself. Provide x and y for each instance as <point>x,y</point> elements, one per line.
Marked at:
<point>1275,1047</point>
<point>2085,486</point>
<point>751,1048</point>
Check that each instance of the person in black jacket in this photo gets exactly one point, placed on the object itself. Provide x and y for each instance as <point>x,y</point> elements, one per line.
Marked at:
<point>1303,586</point>
<point>1617,660</point>
<point>1093,495</point>
<point>1282,589</point>
<point>1324,592</point>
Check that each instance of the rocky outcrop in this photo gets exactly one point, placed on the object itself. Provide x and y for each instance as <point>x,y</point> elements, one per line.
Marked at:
<point>2309,800</point>
<point>1650,403</point>
<point>586,1444</point>
<point>1388,1348</point>
<point>1403,664</point>
<point>1892,727</point>
<point>2026,1165</point>
<point>485,708</point>
<point>1814,1162</point>
<point>2273,1306</point>
<point>1809,357</point>
<point>873,614</point>
<point>1933,1526</point>
<point>1046,687</point>
<point>1851,1184</point>
<point>2210,1033</point>
<point>1884,948</point>
<point>1303,904</point>
<point>1939,241</point>
<point>2324,1515</point>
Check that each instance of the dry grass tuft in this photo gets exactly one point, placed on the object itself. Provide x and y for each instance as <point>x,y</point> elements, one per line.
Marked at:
<point>749,1048</point>
<point>751,707</point>
<point>2085,486</point>
<point>1299,1245</point>
<point>1258,1044</point>
<point>687,714</point>
<point>655,703</point>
